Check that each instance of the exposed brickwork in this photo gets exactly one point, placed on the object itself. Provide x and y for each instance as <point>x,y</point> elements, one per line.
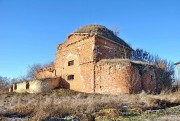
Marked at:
<point>149,81</point>
<point>112,77</point>
<point>78,48</point>
<point>89,62</point>
<point>108,49</point>
<point>122,76</point>
<point>48,72</point>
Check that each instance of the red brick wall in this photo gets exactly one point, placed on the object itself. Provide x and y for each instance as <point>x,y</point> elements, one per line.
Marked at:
<point>135,83</point>
<point>47,72</point>
<point>107,49</point>
<point>117,77</point>
<point>149,82</point>
<point>80,49</point>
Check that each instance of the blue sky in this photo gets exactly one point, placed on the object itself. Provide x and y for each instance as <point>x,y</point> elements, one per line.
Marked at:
<point>31,29</point>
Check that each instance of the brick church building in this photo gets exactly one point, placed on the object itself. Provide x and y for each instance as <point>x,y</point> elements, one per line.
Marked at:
<point>94,60</point>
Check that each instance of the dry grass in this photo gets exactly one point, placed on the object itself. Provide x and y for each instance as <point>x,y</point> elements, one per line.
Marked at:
<point>61,103</point>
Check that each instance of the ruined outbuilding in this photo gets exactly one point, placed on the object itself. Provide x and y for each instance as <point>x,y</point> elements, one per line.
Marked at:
<point>94,60</point>
<point>35,86</point>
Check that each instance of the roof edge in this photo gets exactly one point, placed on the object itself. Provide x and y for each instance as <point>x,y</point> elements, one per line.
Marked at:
<point>115,42</point>
<point>177,63</point>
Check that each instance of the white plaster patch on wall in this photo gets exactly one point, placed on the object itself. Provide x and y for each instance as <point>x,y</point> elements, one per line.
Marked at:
<point>108,47</point>
<point>79,47</point>
<point>178,72</point>
<point>72,55</point>
<point>99,53</point>
<point>93,47</point>
<point>69,55</point>
<point>117,66</point>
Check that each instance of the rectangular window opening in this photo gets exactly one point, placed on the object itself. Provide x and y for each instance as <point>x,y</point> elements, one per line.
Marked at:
<point>152,78</point>
<point>70,77</point>
<point>70,63</point>
<point>27,85</point>
<point>15,86</point>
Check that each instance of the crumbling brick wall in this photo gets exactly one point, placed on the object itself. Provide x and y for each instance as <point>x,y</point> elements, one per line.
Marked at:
<point>47,72</point>
<point>115,77</point>
<point>80,65</point>
<point>149,80</point>
<point>108,49</point>
<point>85,50</point>
<point>123,76</point>
<point>79,49</point>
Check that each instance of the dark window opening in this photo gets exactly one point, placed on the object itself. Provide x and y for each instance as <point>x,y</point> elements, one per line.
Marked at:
<point>15,86</point>
<point>70,77</point>
<point>115,53</point>
<point>140,72</point>
<point>152,78</point>
<point>70,63</point>
<point>27,85</point>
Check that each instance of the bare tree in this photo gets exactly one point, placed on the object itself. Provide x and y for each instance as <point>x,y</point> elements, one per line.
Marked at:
<point>32,69</point>
<point>164,74</point>
<point>164,70</point>
<point>4,83</point>
<point>31,73</point>
<point>20,78</point>
<point>142,55</point>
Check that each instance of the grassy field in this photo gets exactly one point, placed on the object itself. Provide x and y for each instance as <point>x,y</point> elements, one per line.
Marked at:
<point>65,105</point>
